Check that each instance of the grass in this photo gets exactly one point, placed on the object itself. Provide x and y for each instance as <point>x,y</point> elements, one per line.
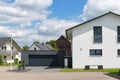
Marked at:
<point>8,64</point>
<point>108,70</point>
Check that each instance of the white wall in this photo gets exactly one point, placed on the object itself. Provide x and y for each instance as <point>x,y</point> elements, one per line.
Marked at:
<point>18,56</point>
<point>9,60</point>
<point>82,42</point>
<point>8,48</point>
<point>34,46</point>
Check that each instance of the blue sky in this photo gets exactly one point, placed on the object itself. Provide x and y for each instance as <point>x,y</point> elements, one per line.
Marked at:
<point>67,9</point>
<point>43,20</point>
<point>64,9</point>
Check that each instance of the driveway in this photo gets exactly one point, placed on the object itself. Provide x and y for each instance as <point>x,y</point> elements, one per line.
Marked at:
<point>5,75</point>
<point>43,69</point>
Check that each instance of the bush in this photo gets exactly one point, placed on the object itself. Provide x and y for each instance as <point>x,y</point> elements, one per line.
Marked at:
<point>1,61</point>
<point>21,63</point>
<point>16,60</point>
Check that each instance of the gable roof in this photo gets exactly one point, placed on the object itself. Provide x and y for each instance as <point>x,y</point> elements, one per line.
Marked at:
<point>62,38</point>
<point>4,40</point>
<point>43,46</point>
<point>70,29</point>
<point>62,42</point>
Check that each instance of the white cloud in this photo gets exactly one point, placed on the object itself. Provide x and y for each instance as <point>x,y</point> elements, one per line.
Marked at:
<point>8,10</point>
<point>55,26</point>
<point>96,7</point>
<point>23,13</point>
<point>36,4</point>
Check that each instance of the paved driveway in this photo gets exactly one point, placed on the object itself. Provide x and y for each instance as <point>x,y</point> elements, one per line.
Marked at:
<point>43,69</point>
<point>5,75</point>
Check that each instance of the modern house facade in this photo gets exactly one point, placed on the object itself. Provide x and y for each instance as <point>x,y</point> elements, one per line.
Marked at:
<point>96,42</point>
<point>5,50</point>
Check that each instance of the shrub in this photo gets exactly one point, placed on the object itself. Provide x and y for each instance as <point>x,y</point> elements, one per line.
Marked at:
<point>1,61</point>
<point>21,63</point>
<point>16,60</point>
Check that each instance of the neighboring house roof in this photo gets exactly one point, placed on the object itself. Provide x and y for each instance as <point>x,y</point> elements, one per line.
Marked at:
<point>43,46</point>
<point>49,46</point>
<point>4,40</point>
<point>69,31</point>
<point>62,42</point>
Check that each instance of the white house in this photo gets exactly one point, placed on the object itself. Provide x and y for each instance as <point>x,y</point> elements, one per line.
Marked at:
<point>5,50</point>
<point>96,42</point>
<point>39,46</point>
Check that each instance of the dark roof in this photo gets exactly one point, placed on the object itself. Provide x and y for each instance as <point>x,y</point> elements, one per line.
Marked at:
<point>90,20</point>
<point>40,52</point>
<point>62,42</point>
<point>61,37</point>
<point>43,46</point>
<point>4,40</point>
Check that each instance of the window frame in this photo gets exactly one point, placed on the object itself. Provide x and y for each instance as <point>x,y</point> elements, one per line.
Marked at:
<point>35,49</point>
<point>118,52</point>
<point>97,34</point>
<point>4,48</point>
<point>95,52</point>
<point>118,34</point>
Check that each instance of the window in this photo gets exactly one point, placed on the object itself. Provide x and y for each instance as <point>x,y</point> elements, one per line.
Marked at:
<point>118,34</point>
<point>96,52</point>
<point>4,48</point>
<point>5,57</point>
<point>35,49</point>
<point>12,57</point>
<point>12,48</point>
<point>118,52</point>
<point>98,34</point>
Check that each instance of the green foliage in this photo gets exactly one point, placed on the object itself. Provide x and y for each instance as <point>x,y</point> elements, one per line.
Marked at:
<point>25,47</point>
<point>53,44</point>
<point>36,42</point>
<point>21,63</point>
<point>16,60</point>
<point>1,61</point>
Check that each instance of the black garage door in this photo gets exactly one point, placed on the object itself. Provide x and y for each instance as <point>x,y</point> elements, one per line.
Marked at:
<point>43,60</point>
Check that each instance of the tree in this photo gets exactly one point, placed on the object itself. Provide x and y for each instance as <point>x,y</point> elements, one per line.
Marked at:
<point>25,47</point>
<point>53,44</point>
<point>1,61</point>
<point>36,42</point>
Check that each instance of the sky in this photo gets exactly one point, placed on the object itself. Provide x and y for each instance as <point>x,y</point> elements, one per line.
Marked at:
<point>43,20</point>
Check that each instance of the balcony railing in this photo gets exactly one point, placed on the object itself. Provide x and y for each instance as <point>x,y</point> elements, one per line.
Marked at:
<point>8,52</point>
<point>98,38</point>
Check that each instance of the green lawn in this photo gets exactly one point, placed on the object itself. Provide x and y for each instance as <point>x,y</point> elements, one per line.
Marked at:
<point>109,70</point>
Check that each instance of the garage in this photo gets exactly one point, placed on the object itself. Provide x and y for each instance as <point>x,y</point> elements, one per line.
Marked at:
<point>43,60</point>
<point>50,58</point>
